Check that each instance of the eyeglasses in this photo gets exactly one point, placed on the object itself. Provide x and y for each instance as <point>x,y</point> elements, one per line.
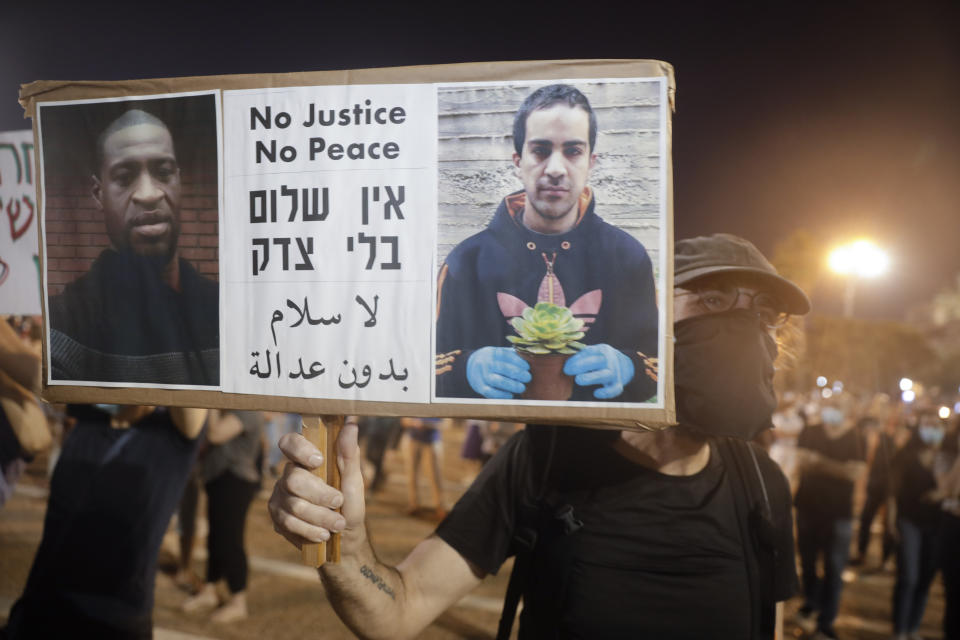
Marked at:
<point>718,298</point>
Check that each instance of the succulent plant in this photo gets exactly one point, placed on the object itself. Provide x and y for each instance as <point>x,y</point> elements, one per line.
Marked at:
<point>547,328</point>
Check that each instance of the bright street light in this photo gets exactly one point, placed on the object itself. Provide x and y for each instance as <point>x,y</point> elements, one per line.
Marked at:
<point>906,384</point>
<point>944,413</point>
<point>859,259</point>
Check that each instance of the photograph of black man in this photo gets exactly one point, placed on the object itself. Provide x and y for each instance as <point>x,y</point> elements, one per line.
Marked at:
<point>131,205</point>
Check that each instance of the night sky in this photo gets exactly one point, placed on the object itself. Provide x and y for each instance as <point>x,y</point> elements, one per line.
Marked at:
<point>841,118</point>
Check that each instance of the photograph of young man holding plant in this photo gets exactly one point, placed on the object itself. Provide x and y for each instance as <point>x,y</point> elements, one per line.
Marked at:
<point>549,301</point>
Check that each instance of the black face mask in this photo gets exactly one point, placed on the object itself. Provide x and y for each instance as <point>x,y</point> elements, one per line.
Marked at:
<point>723,374</point>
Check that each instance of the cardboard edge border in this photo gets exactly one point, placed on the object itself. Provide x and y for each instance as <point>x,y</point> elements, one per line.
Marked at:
<point>591,416</point>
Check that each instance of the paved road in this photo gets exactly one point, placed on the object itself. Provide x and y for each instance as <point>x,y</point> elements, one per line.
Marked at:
<point>287,601</point>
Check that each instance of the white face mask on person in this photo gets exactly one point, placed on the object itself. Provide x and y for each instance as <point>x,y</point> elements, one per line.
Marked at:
<point>931,435</point>
<point>832,416</point>
<point>723,373</point>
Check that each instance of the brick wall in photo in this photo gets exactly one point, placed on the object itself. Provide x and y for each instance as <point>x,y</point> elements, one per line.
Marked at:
<point>76,233</point>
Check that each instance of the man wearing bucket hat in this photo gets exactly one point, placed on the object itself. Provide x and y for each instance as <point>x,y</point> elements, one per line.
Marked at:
<point>690,525</point>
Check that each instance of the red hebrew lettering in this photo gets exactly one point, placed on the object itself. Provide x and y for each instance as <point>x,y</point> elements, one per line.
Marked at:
<point>14,216</point>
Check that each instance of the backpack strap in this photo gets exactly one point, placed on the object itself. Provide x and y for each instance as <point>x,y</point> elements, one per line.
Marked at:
<point>524,540</point>
<point>734,457</point>
<point>754,517</point>
<point>768,554</point>
<point>521,567</point>
<point>549,517</point>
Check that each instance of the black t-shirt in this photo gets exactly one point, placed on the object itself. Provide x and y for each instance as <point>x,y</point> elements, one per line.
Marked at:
<point>914,481</point>
<point>820,494</point>
<point>657,555</point>
<point>879,474</point>
<point>111,498</point>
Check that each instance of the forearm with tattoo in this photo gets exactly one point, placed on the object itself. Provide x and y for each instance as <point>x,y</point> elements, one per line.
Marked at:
<point>372,576</point>
<point>367,595</point>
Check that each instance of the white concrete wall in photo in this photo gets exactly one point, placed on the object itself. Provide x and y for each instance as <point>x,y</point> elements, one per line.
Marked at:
<point>476,146</point>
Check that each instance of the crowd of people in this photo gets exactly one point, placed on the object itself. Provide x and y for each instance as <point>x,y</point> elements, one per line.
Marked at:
<point>851,459</point>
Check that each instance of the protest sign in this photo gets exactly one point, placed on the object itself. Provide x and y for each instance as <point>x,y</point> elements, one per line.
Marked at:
<point>356,242</point>
<point>19,219</point>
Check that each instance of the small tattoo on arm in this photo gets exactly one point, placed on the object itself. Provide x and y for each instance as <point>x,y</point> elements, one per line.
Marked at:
<point>369,574</point>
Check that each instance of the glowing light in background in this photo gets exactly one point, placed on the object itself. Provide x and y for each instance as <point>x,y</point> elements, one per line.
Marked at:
<point>821,381</point>
<point>906,384</point>
<point>908,396</point>
<point>861,258</point>
<point>944,413</point>
<point>837,386</point>
<point>826,393</point>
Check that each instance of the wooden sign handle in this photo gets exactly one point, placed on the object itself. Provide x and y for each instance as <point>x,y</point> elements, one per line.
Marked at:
<point>323,431</point>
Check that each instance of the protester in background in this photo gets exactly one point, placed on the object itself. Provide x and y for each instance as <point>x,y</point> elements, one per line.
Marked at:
<point>880,450</point>
<point>382,433</point>
<point>787,425</point>
<point>914,516</point>
<point>472,449</point>
<point>683,533</point>
<point>422,435</point>
<point>231,476</point>
<point>23,425</point>
<point>57,423</point>
<point>120,476</point>
<point>186,578</point>
<point>277,424</point>
<point>495,435</point>
<point>950,535</point>
<point>20,351</point>
<point>831,457</point>
<point>484,438</point>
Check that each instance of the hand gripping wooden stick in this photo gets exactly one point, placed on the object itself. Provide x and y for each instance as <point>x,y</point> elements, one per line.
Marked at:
<point>323,431</point>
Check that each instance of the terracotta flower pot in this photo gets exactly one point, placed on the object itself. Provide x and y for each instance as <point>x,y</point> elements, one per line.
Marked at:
<point>548,382</point>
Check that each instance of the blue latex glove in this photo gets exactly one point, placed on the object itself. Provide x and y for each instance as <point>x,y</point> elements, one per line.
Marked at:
<point>497,372</point>
<point>600,364</point>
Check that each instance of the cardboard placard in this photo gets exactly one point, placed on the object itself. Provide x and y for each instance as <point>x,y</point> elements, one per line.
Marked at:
<point>327,243</point>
